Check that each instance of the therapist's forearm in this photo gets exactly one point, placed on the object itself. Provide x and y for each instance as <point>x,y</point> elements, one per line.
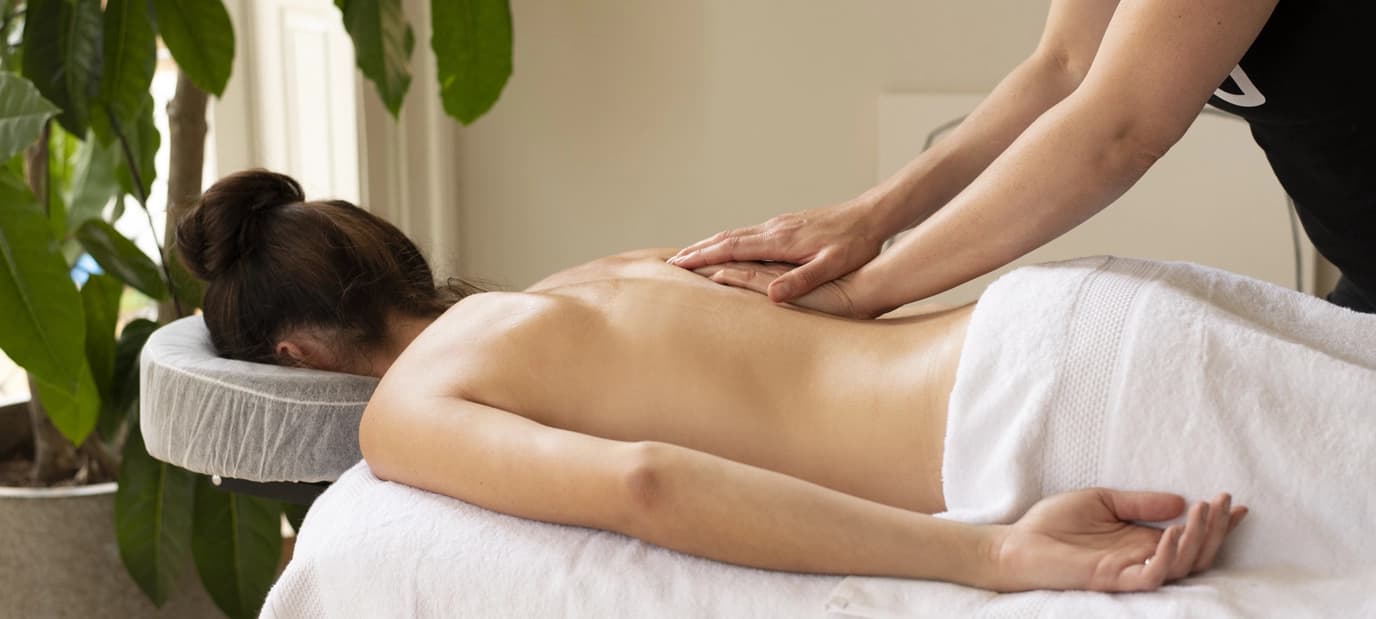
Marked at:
<point>1070,164</point>
<point>708,506</point>
<point>933,178</point>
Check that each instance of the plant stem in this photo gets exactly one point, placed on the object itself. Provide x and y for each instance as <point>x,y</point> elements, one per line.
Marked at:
<point>94,449</point>
<point>39,181</point>
<point>186,125</point>
<point>142,196</point>
<point>53,455</point>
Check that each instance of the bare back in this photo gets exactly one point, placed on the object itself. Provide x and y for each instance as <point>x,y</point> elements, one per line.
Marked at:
<point>629,348</point>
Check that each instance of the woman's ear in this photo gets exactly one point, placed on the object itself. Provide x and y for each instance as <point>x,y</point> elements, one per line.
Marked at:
<point>303,350</point>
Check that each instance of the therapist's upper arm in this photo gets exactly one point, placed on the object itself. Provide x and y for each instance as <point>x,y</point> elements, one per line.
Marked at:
<point>1160,60</point>
<point>499,460</point>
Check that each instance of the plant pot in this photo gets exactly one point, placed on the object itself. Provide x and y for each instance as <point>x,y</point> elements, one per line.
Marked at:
<point>58,558</point>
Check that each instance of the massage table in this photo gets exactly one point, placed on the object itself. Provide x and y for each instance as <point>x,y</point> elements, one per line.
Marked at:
<point>372,548</point>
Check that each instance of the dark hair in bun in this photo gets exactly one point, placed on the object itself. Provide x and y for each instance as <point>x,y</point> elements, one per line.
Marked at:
<point>226,224</point>
<point>274,262</point>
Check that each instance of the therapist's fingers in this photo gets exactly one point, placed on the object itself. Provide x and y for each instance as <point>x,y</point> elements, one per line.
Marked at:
<point>827,266</point>
<point>773,269</point>
<point>710,240</point>
<point>734,246</point>
<point>756,281</point>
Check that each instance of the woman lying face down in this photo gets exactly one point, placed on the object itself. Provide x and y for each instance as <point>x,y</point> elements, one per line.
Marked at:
<point>630,395</point>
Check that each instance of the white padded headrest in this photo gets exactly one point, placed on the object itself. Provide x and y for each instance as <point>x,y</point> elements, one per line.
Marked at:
<point>245,420</point>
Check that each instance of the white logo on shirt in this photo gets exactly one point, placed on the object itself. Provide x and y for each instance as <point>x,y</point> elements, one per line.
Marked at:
<point>1251,95</point>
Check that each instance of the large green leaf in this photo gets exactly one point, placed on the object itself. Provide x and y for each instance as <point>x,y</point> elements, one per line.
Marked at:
<point>201,39</point>
<point>153,508</point>
<point>100,299</point>
<point>472,43</point>
<point>62,56</point>
<point>131,52</point>
<point>57,212</point>
<point>237,543</point>
<point>22,114</point>
<point>383,42</point>
<point>93,182</point>
<point>40,310</point>
<point>143,139</point>
<point>122,258</point>
<point>125,384</point>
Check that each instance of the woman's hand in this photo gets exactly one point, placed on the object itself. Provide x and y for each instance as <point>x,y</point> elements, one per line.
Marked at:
<point>837,297</point>
<point>825,244</point>
<point>1086,540</point>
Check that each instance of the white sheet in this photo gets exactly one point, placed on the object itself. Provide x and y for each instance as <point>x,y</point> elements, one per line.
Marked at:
<point>1173,377</point>
<point>376,549</point>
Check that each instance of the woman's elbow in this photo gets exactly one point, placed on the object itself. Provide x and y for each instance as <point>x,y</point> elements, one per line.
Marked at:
<point>645,484</point>
<point>372,431</point>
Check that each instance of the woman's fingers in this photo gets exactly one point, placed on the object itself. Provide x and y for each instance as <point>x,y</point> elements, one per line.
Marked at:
<point>1157,569</point>
<point>1236,517</point>
<point>1139,505</point>
<point>1220,521</point>
<point>1184,550</point>
<point>1192,541</point>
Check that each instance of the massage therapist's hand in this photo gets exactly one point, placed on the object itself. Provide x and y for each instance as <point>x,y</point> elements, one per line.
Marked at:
<point>1084,540</point>
<point>836,297</point>
<point>826,244</point>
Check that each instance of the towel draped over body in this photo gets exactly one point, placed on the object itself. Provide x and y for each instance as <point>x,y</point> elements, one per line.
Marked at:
<point>1174,377</point>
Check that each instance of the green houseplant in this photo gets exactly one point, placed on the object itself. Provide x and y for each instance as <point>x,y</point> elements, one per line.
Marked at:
<point>77,140</point>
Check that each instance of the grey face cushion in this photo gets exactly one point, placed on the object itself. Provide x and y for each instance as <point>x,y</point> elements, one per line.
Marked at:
<point>245,420</point>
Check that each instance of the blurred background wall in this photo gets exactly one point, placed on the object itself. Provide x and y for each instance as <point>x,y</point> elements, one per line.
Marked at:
<point>655,123</point>
<point>639,123</point>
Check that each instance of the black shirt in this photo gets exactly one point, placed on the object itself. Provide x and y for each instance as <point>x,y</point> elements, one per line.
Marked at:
<point>1306,88</point>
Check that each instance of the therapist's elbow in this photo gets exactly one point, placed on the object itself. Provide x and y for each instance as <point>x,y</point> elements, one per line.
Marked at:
<point>1138,131</point>
<point>1139,144</point>
<point>1128,144</point>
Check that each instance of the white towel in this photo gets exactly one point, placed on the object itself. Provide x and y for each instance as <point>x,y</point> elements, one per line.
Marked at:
<point>1173,377</point>
<point>377,549</point>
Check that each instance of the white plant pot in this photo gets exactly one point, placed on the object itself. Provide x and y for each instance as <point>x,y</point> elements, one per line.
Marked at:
<point>58,558</point>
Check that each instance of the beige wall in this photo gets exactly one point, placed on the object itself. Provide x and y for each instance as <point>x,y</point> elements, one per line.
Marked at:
<point>636,123</point>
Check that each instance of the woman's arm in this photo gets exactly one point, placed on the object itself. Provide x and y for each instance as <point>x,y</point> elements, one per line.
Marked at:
<point>672,496</point>
<point>1158,63</point>
<point>704,505</point>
